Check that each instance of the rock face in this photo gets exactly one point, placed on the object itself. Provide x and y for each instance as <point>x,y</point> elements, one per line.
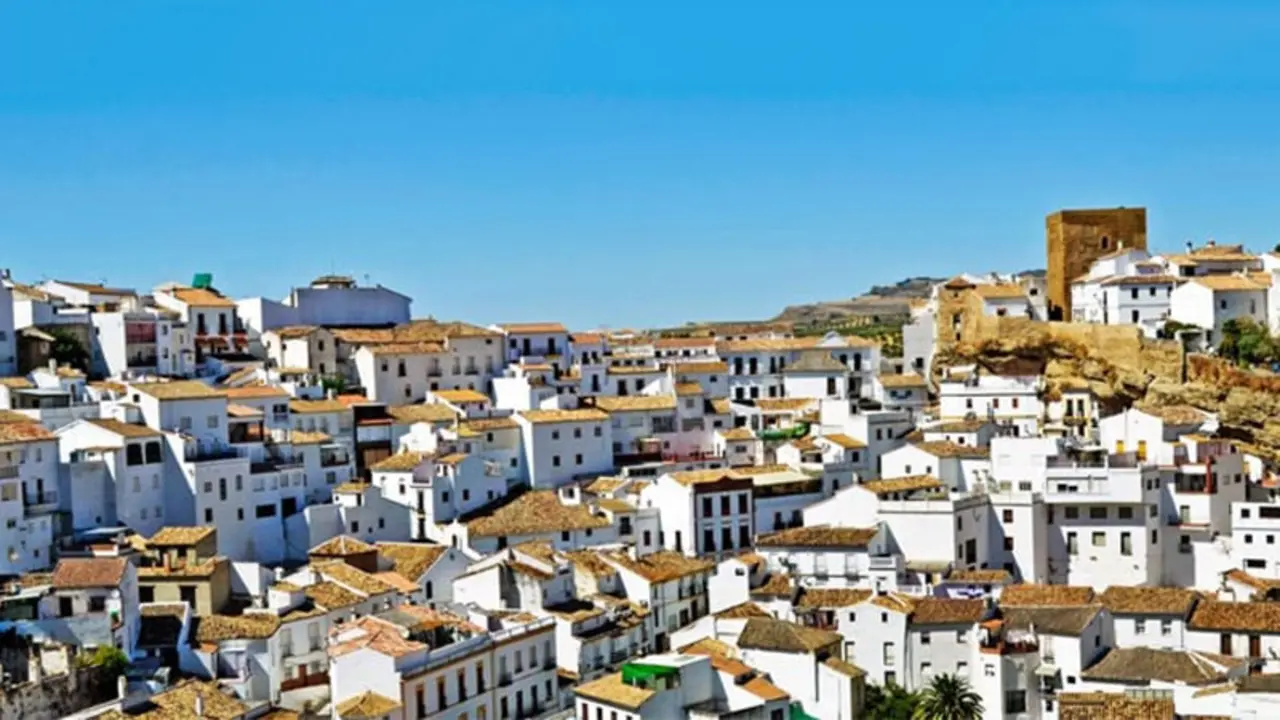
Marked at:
<point>1124,369</point>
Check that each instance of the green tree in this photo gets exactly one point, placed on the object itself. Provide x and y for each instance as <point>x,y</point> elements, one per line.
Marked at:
<point>948,697</point>
<point>1246,342</point>
<point>67,349</point>
<point>335,383</point>
<point>111,659</point>
<point>891,702</point>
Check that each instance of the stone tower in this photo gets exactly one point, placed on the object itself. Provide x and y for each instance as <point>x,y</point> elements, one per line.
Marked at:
<point>1074,239</point>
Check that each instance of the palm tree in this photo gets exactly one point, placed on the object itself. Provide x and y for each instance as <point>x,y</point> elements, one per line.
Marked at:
<point>948,697</point>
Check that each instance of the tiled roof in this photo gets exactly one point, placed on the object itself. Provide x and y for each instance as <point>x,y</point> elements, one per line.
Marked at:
<point>124,429</point>
<point>332,596</point>
<point>1112,706</point>
<point>293,332</point>
<point>400,462</point>
<point>616,505</point>
<point>560,416</point>
<point>635,403</point>
<point>302,437</point>
<point>354,578</point>
<point>306,407</point>
<point>1028,594</point>
<point>909,483</point>
<point>461,396</point>
<point>984,577</point>
<point>401,583</point>
<point>368,705</point>
<point>947,611</point>
<point>662,566</point>
<point>237,410</point>
<point>778,405</point>
<point>249,626</point>
<point>1144,279</point>
<point>180,536</point>
<point>179,703</point>
<point>536,328</point>
<point>819,536</point>
<point>1229,283</point>
<point>816,361</point>
<point>479,425</point>
<point>783,636</point>
<point>16,383</point>
<point>832,597</point>
<point>590,562</point>
<point>1069,621</point>
<point>738,434</point>
<point>24,432</point>
<point>97,572</point>
<point>411,560</point>
<point>611,690</point>
<point>710,646</point>
<point>700,367</point>
<point>690,478</point>
<point>342,545</point>
<point>943,448</point>
<point>844,441</point>
<point>690,388</point>
<point>422,412</point>
<point>719,406</point>
<point>1260,617</point>
<point>604,484</point>
<point>844,667</point>
<point>177,390</point>
<point>1144,664</point>
<point>775,584</point>
<point>354,486</point>
<point>1132,600</point>
<point>201,297</point>
<point>742,611</point>
<point>97,288</point>
<point>1176,414</point>
<point>906,380</point>
<point>957,426</point>
<point>249,392</point>
<point>536,511</point>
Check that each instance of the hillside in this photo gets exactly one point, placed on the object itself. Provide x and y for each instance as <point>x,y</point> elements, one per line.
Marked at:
<point>879,304</point>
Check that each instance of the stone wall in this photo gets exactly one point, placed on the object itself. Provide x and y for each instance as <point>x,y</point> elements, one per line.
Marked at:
<point>57,697</point>
<point>1074,239</point>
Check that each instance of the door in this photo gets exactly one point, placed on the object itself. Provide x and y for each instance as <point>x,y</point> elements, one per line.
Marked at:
<point>1224,644</point>
<point>1255,646</point>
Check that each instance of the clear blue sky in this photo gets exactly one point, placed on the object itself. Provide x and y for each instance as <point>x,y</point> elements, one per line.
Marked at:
<point>619,163</point>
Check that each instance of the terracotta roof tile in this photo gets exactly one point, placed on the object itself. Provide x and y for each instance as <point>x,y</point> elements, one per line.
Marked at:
<point>411,560</point>
<point>536,511</point>
<point>611,690</point>
<point>812,598</point>
<point>124,429</point>
<point>663,566</point>
<point>307,407</point>
<point>1261,617</point>
<point>635,403</point>
<point>24,432</point>
<point>560,416</point>
<point>249,626</point>
<point>180,536</point>
<point>354,578</point>
<point>906,380</point>
<point>98,572</point>
<point>909,483</point>
<point>177,390</point>
<point>341,546</point>
<point>1029,594</point>
<point>1124,600</point>
<point>819,536</point>
<point>332,596</point>
<point>368,705</point>
<point>947,611</point>
<point>782,636</point>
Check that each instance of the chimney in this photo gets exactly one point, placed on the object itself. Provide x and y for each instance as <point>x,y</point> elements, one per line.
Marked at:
<point>53,364</point>
<point>279,574</point>
<point>1190,246</point>
<point>331,393</point>
<point>199,705</point>
<point>122,687</point>
<point>1211,243</point>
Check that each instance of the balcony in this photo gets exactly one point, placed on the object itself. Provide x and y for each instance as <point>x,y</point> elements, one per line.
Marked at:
<point>275,463</point>
<point>434,372</point>
<point>198,454</point>
<point>504,679</point>
<point>472,371</point>
<point>334,459</point>
<point>41,502</point>
<point>8,472</point>
<point>549,664</point>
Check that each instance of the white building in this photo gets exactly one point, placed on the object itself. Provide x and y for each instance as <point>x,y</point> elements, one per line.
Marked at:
<point>560,445</point>
<point>1209,301</point>
<point>29,496</point>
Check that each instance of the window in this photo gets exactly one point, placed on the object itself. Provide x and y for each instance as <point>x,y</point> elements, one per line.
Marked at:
<point>1140,626</point>
<point>989,670</point>
<point>1125,513</point>
<point>555,461</point>
<point>925,639</point>
<point>890,654</point>
<point>208,516</point>
<point>597,431</point>
<point>1097,513</point>
<point>1099,539</point>
<point>1008,544</point>
<point>1166,627</point>
<point>1126,544</point>
<point>1072,547</point>
<point>1071,513</point>
<point>555,434</point>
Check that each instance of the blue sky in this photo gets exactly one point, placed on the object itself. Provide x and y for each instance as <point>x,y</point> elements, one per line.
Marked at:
<point>616,163</point>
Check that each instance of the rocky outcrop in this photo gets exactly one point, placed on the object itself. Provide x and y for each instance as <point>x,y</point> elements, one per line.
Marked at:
<point>1124,369</point>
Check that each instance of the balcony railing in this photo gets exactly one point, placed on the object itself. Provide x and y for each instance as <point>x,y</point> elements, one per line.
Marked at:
<point>35,500</point>
<point>8,472</point>
<point>210,454</point>
<point>549,664</point>
<point>334,459</point>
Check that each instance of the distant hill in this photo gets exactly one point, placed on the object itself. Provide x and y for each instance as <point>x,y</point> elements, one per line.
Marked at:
<point>881,304</point>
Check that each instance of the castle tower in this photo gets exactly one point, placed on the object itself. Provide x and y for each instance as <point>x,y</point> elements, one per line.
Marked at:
<point>1074,239</point>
